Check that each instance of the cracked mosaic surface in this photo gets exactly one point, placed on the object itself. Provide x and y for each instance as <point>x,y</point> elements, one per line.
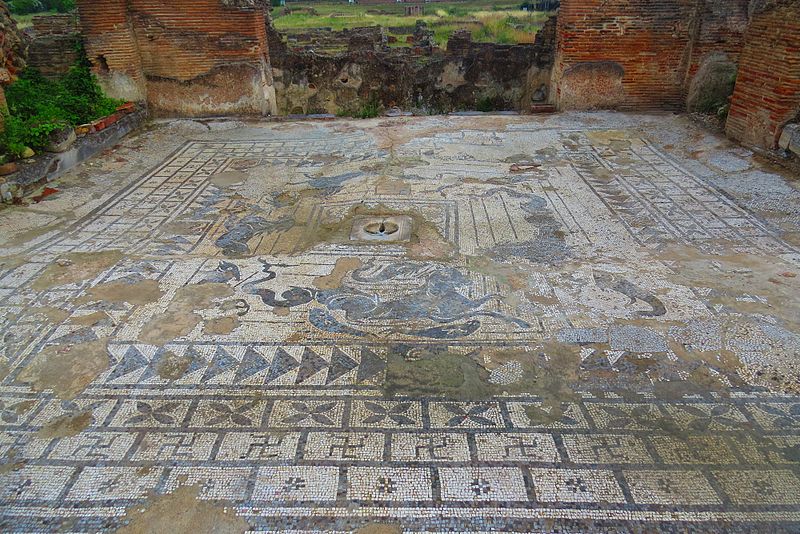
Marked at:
<point>586,331</point>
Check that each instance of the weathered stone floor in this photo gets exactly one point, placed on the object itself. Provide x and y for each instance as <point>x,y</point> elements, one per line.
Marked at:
<point>593,326</point>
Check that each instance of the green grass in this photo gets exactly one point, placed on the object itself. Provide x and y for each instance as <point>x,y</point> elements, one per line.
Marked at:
<point>498,22</point>
<point>26,21</point>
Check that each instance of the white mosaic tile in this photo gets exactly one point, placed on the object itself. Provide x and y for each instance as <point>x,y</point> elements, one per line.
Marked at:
<point>296,483</point>
<point>576,485</point>
<point>482,484</point>
<point>401,484</point>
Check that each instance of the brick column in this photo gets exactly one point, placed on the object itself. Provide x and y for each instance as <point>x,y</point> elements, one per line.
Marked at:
<point>111,47</point>
<point>767,93</point>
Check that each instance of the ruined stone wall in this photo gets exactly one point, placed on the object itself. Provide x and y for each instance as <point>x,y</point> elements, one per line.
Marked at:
<point>641,54</point>
<point>464,76</point>
<point>12,46</point>
<point>12,53</point>
<point>767,93</point>
<point>184,57</point>
<point>53,44</point>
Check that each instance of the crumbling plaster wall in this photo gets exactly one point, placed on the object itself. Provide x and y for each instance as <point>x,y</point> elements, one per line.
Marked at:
<point>184,57</point>
<point>767,92</point>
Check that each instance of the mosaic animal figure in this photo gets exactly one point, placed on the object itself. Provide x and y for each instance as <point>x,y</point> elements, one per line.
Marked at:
<point>294,296</point>
<point>608,281</point>
<point>436,298</point>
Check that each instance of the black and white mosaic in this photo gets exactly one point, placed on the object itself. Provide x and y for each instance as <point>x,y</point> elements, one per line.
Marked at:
<point>580,334</point>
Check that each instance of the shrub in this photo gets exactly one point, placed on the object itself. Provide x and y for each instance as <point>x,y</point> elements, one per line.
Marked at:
<point>485,104</point>
<point>12,137</point>
<point>369,110</point>
<point>25,7</point>
<point>62,6</point>
<point>38,107</point>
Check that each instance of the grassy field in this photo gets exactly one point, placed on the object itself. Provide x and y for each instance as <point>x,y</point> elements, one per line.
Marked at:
<point>26,21</point>
<point>497,22</point>
<point>491,22</point>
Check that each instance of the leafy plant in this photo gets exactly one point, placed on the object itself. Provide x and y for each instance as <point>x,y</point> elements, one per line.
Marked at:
<point>62,6</point>
<point>39,107</point>
<point>485,104</point>
<point>24,7</point>
<point>12,137</point>
<point>368,110</point>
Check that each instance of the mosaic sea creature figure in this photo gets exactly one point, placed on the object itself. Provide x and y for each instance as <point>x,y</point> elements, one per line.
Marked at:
<point>437,300</point>
<point>294,296</point>
<point>241,229</point>
<point>606,280</point>
<point>323,320</point>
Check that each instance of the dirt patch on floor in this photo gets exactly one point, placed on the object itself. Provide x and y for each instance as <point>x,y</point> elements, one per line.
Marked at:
<point>51,314</point>
<point>505,273</point>
<point>551,372</point>
<point>228,178</point>
<point>138,293</point>
<point>378,528</point>
<point>436,374</point>
<point>172,367</point>
<point>426,241</point>
<point>13,261</point>
<point>733,274</point>
<point>31,234</point>
<point>66,425</point>
<point>90,319</point>
<point>67,369</point>
<point>10,462</point>
<point>182,512</point>
<point>76,267</point>
<point>220,326</point>
<point>340,270</point>
<point>180,317</point>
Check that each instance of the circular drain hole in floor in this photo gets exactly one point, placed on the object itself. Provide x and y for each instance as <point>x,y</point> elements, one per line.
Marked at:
<point>386,228</point>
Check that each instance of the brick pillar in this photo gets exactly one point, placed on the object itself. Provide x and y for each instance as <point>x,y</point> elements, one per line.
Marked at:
<point>111,47</point>
<point>767,93</point>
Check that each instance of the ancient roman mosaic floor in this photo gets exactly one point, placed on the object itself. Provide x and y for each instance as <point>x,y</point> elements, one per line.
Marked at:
<point>571,323</point>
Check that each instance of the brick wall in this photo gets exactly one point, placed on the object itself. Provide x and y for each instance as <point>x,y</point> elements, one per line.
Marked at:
<point>52,47</point>
<point>767,93</point>
<point>640,54</point>
<point>111,47</point>
<point>186,57</point>
<point>717,27</point>
<point>64,24</point>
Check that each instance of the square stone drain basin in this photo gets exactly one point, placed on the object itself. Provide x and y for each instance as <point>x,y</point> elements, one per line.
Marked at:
<point>388,229</point>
